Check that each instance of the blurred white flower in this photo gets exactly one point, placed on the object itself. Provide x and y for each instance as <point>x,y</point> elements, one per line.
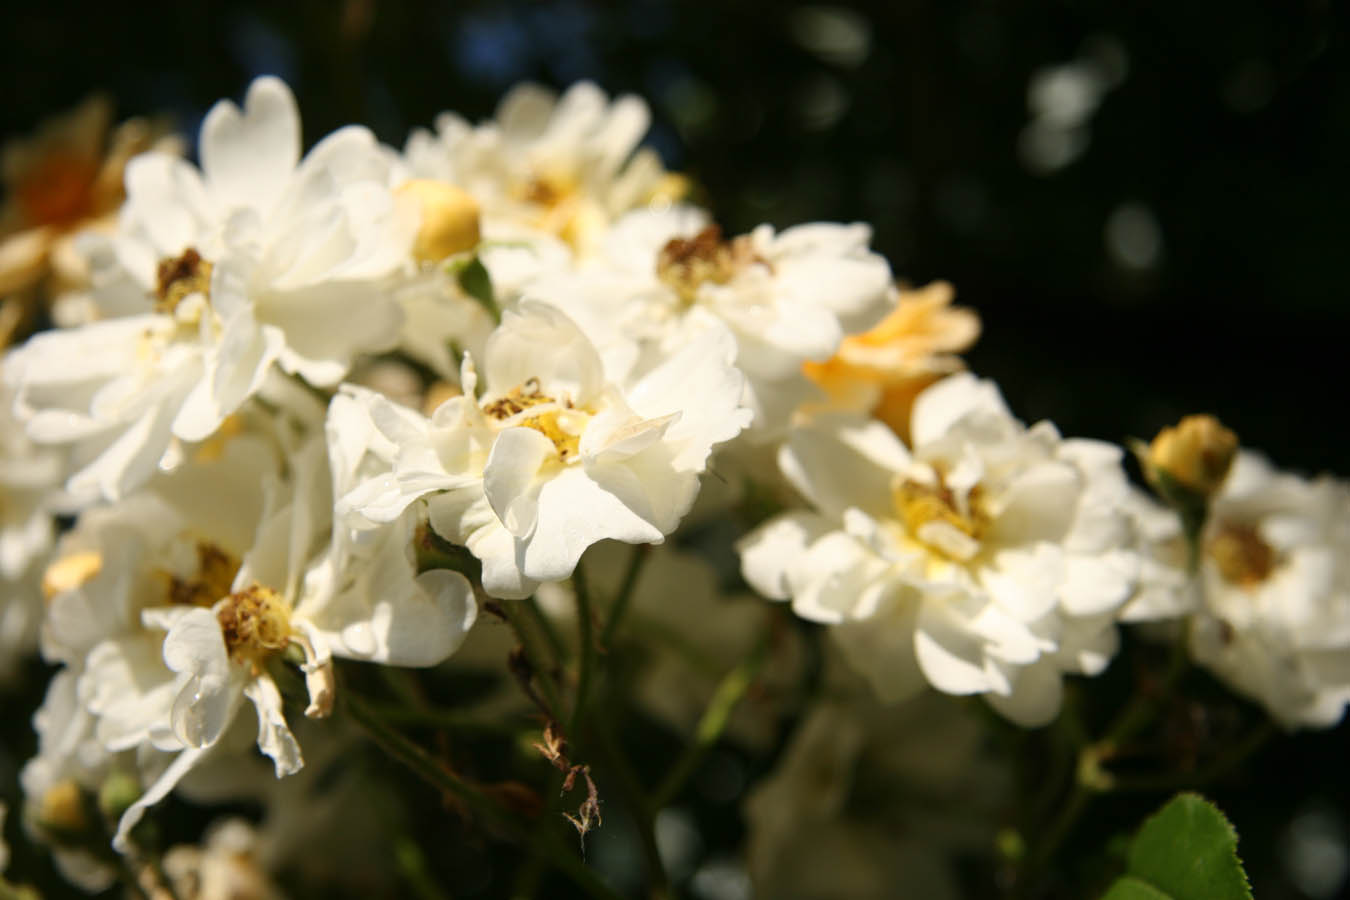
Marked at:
<point>989,560</point>
<point>29,481</point>
<point>1271,597</point>
<point>566,166</point>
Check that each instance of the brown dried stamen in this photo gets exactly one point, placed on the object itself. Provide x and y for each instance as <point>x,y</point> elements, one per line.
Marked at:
<point>255,624</point>
<point>1241,555</point>
<point>180,276</point>
<point>685,264</point>
<point>212,580</point>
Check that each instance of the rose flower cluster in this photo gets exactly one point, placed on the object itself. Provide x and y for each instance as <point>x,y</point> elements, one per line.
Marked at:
<point>363,404</point>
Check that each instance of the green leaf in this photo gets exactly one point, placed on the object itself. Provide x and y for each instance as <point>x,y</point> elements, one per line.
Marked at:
<point>474,279</point>
<point>1130,888</point>
<point>1185,851</point>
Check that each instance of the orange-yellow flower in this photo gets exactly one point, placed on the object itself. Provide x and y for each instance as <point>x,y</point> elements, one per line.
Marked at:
<point>64,179</point>
<point>882,370</point>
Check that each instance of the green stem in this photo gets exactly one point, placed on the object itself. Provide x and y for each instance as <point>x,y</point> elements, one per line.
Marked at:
<point>532,873</point>
<point>1058,829</point>
<point>586,648</point>
<point>412,865</point>
<point>429,770</point>
<point>454,720</point>
<point>546,628</point>
<point>1089,776</point>
<point>538,662</point>
<point>725,699</point>
<point>624,598</point>
<point>638,805</point>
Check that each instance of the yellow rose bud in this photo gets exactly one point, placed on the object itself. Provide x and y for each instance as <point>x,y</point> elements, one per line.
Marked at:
<point>62,808</point>
<point>450,219</point>
<point>1196,453</point>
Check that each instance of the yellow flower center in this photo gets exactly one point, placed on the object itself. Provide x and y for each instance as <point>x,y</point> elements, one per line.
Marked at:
<point>549,422</point>
<point>211,580</point>
<point>256,623</point>
<point>179,277</point>
<point>1241,555</point>
<point>940,519</point>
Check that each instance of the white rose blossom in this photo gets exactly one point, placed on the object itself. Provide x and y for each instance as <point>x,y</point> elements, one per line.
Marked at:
<point>257,258</point>
<point>1270,599</point>
<point>989,560</point>
<point>552,457</point>
<point>664,276</point>
<point>566,166</point>
<point>359,599</point>
<point>29,480</point>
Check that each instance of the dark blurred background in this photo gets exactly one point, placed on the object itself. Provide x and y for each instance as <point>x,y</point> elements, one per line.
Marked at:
<point>1144,201</point>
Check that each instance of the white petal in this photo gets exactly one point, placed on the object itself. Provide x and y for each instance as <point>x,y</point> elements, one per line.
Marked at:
<point>181,765</point>
<point>951,657</point>
<point>769,552</point>
<point>274,735</point>
<point>575,511</point>
<point>207,694</point>
<point>248,157</point>
<point>541,342</point>
<point>1037,692</point>
<point>509,478</point>
<point>939,407</point>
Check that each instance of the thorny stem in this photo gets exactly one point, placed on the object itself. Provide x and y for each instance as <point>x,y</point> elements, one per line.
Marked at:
<point>512,612</point>
<point>725,699</point>
<point>622,600</point>
<point>426,767</point>
<point>586,648</point>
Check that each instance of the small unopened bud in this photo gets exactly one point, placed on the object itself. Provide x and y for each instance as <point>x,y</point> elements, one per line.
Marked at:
<point>62,810</point>
<point>450,219</point>
<point>118,791</point>
<point>1195,454</point>
<point>70,572</point>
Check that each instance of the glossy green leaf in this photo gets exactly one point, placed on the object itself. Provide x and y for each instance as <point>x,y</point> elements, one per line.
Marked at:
<point>1185,851</point>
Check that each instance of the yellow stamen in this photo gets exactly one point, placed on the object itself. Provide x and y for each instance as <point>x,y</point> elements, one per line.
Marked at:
<point>547,423</point>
